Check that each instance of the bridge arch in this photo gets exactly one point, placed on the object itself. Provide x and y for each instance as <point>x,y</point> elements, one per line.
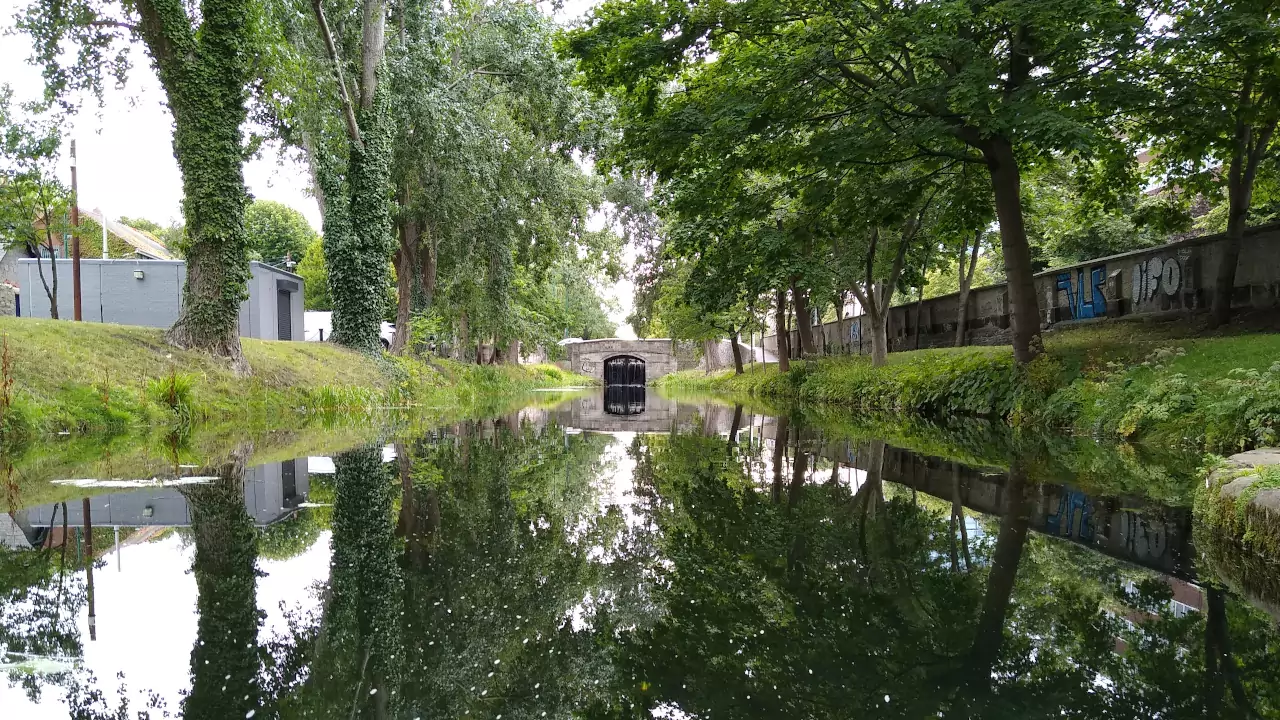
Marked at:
<point>624,370</point>
<point>648,359</point>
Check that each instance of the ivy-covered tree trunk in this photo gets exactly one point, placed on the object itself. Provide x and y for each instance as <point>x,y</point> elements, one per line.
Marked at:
<point>204,70</point>
<point>357,202</point>
<point>357,234</point>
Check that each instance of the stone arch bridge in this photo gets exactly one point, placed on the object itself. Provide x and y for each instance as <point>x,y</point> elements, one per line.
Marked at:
<point>613,360</point>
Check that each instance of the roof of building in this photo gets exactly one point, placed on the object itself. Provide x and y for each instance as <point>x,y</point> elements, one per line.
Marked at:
<point>144,242</point>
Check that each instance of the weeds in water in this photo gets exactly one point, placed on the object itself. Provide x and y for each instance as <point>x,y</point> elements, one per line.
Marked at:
<point>330,399</point>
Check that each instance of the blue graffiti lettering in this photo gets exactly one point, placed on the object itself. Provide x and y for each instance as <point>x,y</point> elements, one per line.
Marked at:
<point>1084,301</point>
<point>1074,518</point>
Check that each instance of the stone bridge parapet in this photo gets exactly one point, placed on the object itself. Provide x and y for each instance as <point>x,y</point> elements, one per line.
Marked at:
<point>589,356</point>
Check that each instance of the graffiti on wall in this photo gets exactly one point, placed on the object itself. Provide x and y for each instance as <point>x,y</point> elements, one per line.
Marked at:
<point>1085,298</point>
<point>1157,275</point>
<point>1073,518</point>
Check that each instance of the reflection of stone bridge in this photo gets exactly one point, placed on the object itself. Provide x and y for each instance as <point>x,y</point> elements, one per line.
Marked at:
<point>592,357</point>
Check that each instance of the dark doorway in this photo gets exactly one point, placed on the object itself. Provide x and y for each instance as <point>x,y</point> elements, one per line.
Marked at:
<point>624,399</point>
<point>284,315</point>
<point>623,370</point>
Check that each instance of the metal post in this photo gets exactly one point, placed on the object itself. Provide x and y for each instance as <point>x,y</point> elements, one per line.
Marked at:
<point>105,251</point>
<point>117,532</point>
<point>75,239</point>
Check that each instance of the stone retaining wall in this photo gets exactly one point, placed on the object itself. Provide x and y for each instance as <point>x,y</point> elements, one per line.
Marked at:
<point>1175,277</point>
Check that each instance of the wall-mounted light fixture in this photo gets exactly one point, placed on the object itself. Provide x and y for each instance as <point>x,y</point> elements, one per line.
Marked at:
<point>138,274</point>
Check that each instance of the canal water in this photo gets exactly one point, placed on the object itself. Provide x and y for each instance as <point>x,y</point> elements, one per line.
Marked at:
<point>625,555</point>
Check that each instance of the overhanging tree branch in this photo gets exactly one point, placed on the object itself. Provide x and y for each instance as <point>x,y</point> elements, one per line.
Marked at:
<point>348,111</point>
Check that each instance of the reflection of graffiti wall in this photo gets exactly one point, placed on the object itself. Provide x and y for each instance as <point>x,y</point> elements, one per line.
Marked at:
<point>1175,277</point>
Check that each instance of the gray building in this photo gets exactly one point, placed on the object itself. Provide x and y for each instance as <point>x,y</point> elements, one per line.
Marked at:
<point>149,293</point>
<point>272,492</point>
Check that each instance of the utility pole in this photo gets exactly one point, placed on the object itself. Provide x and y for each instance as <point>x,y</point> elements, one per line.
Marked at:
<point>75,237</point>
<point>88,565</point>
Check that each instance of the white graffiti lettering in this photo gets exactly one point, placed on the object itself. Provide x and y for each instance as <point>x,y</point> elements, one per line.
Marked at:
<point>1156,275</point>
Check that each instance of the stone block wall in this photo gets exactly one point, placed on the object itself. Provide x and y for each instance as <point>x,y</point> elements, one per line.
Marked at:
<point>588,357</point>
<point>1175,277</point>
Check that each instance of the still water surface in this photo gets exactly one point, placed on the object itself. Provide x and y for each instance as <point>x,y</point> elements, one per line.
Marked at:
<point>625,555</point>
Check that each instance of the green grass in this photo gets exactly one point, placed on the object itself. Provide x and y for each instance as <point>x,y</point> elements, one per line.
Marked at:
<point>93,378</point>
<point>970,381</point>
<point>1161,382</point>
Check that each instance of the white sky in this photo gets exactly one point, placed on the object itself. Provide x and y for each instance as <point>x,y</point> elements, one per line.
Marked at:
<point>146,617</point>
<point>125,150</point>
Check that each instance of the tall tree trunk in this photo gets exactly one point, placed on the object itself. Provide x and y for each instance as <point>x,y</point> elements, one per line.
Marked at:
<point>204,71</point>
<point>357,219</point>
<point>464,337</point>
<point>966,284</point>
<point>879,337</point>
<point>1251,146</point>
<point>511,355</point>
<point>919,308</point>
<point>781,432</point>
<point>783,337</point>
<point>53,268</point>
<point>406,264</point>
<point>842,324</point>
<point>804,323</point>
<point>1010,541</point>
<point>1024,306</point>
<point>737,353</point>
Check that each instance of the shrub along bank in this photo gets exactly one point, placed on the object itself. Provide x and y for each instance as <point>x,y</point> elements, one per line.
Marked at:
<point>1137,381</point>
<point>86,378</point>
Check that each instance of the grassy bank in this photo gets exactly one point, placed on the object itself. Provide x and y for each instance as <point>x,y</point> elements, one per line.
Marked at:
<point>1156,382</point>
<point>91,378</point>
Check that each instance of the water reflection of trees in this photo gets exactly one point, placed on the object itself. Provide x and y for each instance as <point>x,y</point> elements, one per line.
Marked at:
<point>488,571</point>
<point>40,597</point>
<point>226,661</point>
<point>787,596</point>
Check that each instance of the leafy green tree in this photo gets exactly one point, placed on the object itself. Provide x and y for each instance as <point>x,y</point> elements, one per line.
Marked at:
<point>34,205</point>
<point>1212,70</point>
<point>172,236</point>
<point>994,85</point>
<point>1069,223</point>
<point>277,232</point>
<point>316,276</point>
<point>202,56</point>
